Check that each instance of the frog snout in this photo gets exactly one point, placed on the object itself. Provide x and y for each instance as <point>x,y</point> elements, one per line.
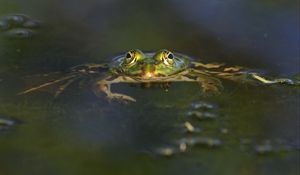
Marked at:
<point>149,70</point>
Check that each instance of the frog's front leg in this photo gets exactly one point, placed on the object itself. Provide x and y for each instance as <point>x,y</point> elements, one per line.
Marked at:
<point>104,86</point>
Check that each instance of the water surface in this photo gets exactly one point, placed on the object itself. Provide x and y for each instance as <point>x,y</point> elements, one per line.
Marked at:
<point>79,133</point>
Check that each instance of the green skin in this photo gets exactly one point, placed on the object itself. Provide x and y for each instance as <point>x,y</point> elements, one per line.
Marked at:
<point>149,64</point>
<point>155,67</point>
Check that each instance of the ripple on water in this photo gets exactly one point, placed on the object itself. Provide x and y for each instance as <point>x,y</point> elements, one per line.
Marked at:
<point>268,147</point>
<point>18,21</point>
<point>15,19</point>
<point>208,142</point>
<point>6,123</point>
<point>32,24</point>
<point>201,115</point>
<point>265,147</point>
<point>20,33</point>
<point>18,26</point>
<point>183,144</point>
<point>3,25</point>
<point>202,105</point>
<point>202,110</point>
<point>193,137</point>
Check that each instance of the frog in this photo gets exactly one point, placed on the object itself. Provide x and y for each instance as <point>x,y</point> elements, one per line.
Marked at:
<point>160,67</point>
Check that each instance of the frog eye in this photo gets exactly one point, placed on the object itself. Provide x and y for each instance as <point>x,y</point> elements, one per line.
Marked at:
<point>170,55</point>
<point>168,58</point>
<point>130,57</point>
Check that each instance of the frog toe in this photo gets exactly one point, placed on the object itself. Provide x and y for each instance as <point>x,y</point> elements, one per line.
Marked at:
<point>120,98</point>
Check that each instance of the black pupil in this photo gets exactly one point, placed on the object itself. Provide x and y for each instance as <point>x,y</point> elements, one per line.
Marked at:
<point>128,55</point>
<point>170,56</point>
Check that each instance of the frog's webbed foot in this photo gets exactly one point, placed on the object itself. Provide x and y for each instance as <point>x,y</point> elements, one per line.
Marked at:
<point>69,78</point>
<point>120,98</point>
<point>209,84</point>
<point>263,80</point>
<point>75,73</point>
<point>105,87</point>
<point>90,69</point>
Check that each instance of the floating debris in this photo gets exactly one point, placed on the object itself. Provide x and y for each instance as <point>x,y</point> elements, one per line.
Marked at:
<point>166,151</point>
<point>202,115</point>
<point>203,105</point>
<point>190,128</point>
<point>182,147</point>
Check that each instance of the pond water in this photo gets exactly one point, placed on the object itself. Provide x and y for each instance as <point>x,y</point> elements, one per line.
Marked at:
<point>247,129</point>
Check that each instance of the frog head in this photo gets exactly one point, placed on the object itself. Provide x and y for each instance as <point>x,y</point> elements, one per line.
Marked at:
<point>150,65</point>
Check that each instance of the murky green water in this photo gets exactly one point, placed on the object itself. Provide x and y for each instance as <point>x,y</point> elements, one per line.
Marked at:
<point>247,130</point>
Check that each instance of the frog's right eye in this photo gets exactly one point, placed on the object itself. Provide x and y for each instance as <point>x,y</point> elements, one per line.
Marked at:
<point>165,57</point>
